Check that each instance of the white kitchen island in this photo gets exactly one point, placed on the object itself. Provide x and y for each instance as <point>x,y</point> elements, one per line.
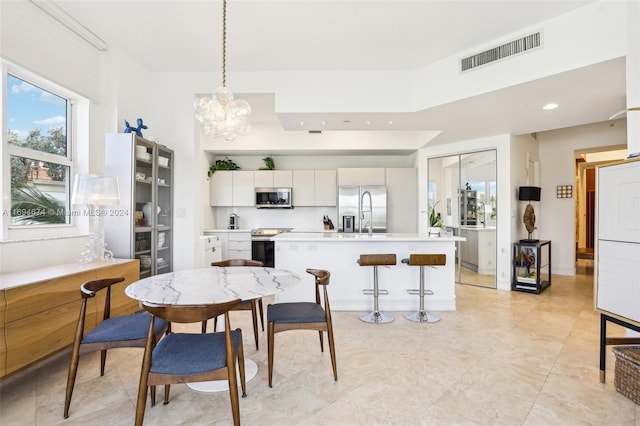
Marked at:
<point>338,253</point>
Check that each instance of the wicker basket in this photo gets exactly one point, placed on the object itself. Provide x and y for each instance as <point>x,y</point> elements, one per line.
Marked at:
<point>627,372</point>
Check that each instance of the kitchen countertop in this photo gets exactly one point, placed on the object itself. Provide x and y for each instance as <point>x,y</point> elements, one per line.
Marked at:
<point>212,231</point>
<point>356,237</point>
<point>478,228</point>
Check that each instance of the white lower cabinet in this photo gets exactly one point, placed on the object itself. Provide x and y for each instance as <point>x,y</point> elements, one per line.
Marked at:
<point>234,244</point>
<point>238,245</point>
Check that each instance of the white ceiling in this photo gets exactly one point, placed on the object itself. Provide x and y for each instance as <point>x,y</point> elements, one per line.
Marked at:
<point>360,35</point>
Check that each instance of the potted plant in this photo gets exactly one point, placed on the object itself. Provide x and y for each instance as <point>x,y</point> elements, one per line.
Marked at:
<point>225,164</point>
<point>268,164</point>
<point>435,221</point>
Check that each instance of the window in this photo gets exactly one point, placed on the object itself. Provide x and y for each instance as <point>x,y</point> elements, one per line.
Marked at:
<point>39,148</point>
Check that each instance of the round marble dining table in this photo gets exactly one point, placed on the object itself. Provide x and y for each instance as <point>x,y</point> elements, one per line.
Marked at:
<point>213,285</point>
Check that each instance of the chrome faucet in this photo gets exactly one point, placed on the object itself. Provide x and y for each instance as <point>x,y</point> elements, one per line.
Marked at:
<point>370,212</point>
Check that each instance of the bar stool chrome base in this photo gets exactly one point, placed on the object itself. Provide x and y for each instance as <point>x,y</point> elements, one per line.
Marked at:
<point>422,316</point>
<point>376,318</point>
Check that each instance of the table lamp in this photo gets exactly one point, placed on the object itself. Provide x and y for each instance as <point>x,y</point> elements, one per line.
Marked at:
<point>95,192</point>
<point>529,193</point>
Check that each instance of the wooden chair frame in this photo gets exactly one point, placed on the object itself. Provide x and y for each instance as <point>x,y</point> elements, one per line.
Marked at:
<point>88,290</point>
<point>252,305</point>
<point>321,279</point>
<point>190,314</point>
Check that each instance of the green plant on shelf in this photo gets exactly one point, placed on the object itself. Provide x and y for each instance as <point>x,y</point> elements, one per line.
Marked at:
<point>224,164</point>
<point>268,164</point>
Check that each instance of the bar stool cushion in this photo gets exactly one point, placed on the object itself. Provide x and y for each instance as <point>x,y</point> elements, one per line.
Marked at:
<point>426,260</point>
<point>377,259</point>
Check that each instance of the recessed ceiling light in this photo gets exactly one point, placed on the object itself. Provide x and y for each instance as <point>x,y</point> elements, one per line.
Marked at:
<point>302,123</point>
<point>324,123</point>
<point>368,122</point>
<point>550,106</point>
<point>390,122</point>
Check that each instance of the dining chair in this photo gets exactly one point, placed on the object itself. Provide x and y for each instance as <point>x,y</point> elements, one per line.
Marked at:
<point>191,357</point>
<point>247,305</point>
<point>303,316</point>
<point>124,331</point>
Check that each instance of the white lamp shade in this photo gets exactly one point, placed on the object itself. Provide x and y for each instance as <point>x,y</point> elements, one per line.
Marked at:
<point>95,190</point>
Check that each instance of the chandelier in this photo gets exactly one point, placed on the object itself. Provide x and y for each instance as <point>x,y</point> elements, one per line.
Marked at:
<point>223,115</point>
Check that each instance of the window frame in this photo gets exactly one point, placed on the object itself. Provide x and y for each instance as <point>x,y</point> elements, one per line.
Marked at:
<point>9,231</point>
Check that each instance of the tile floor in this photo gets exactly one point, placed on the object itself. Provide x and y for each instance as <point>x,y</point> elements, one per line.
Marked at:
<point>502,358</point>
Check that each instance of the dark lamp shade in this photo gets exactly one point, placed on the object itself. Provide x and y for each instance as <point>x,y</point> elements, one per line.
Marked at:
<point>529,193</point>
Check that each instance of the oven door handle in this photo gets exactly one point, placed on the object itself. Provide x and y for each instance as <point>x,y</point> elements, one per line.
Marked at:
<point>260,238</point>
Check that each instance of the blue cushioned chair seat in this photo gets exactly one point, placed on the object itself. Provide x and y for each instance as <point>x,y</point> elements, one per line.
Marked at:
<point>291,313</point>
<point>125,327</point>
<point>182,353</point>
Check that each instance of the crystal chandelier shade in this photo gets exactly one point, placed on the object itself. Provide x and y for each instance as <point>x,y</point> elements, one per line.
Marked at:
<point>223,115</point>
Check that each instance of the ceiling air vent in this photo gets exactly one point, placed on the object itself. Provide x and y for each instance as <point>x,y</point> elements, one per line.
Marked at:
<point>515,47</point>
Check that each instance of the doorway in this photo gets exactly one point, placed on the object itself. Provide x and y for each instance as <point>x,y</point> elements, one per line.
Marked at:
<point>462,189</point>
<point>586,162</point>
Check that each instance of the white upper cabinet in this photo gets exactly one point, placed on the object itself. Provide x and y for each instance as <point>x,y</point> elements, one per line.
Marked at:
<point>221,189</point>
<point>361,176</point>
<point>282,178</point>
<point>325,188</point>
<point>303,188</point>
<point>273,179</point>
<point>231,188</point>
<point>314,188</point>
<point>243,189</point>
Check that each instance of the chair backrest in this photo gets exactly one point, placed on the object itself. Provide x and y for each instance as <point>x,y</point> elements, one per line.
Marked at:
<point>189,313</point>
<point>238,262</point>
<point>377,259</point>
<point>322,276</point>
<point>89,289</point>
<point>426,260</point>
<point>321,279</point>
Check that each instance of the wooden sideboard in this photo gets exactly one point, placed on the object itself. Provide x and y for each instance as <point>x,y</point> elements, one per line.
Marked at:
<point>39,308</point>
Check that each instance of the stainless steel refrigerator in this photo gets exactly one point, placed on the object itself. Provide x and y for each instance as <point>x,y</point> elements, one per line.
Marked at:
<point>354,201</point>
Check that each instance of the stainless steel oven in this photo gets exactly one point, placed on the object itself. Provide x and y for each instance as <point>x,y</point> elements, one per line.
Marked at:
<point>262,248</point>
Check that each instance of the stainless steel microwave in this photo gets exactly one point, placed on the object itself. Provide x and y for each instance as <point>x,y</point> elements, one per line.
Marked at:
<point>270,198</point>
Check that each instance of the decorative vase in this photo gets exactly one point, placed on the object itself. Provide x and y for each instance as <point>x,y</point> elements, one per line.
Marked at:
<point>146,210</point>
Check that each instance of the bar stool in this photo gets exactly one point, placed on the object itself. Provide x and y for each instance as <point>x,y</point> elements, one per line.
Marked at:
<point>376,260</point>
<point>423,260</point>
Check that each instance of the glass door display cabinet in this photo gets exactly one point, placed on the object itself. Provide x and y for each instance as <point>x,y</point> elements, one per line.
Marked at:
<point>468,207</point>
<point>144,230</point>
<point>531,266</point>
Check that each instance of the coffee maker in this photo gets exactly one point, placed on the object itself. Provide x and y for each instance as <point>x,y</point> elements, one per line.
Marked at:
<point>233,221</point>
<point>348,223</point>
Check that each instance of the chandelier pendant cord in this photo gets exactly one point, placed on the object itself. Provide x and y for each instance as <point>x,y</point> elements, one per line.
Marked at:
<point>224,43</point>
<point>222,114</point>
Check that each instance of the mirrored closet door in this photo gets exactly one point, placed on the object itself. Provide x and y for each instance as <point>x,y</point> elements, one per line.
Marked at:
<point>462,191</point>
